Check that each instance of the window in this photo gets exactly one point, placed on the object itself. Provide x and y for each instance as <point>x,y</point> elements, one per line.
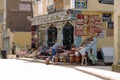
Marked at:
<point>107,17</point>
<point>24,7</point>
<point>106,1</point>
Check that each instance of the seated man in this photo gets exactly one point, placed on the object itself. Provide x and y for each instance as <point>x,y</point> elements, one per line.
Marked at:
<point>55,48</point>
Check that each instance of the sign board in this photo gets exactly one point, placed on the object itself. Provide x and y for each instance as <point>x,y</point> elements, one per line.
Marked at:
<point>81,4</point>
<point>55,17</point>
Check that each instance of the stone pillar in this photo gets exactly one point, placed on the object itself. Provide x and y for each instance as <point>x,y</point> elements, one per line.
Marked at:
<point>116,32</point>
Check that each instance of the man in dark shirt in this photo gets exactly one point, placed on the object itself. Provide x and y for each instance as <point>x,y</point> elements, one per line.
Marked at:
<point>13,48</point>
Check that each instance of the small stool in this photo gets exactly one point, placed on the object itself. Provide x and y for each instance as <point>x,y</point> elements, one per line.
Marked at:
<point>47,62</point>
<point>84,58</point>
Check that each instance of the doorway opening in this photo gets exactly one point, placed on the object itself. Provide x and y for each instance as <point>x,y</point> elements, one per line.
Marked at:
<point>68,37</point>
<point>52,35</point>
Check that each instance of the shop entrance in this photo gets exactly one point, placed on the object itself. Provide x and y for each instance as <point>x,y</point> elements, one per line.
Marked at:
<point>52,35</point>
<point>68,37</point>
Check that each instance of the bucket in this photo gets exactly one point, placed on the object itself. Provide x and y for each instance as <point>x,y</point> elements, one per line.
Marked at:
<point>47,62</point>
<point>56,59</point>
<point>64,59</point>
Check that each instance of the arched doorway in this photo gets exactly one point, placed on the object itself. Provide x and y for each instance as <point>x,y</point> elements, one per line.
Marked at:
<point>52,35</point>
<point>68,37</point>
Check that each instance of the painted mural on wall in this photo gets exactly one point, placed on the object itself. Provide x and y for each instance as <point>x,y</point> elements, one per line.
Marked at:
<point>87,25</point>
<point>81,4</point>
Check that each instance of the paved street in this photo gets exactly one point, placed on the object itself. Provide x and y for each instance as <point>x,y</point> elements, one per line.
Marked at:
<point>12,69</point>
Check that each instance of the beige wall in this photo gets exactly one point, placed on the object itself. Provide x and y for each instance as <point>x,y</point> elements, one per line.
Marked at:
<point>1,5</point>
<point>35,8</point>
<point>95,6</point>
<point>44,7</point>
<point>22,38</point>
<point>66,4</point>
<point>0,35</point>
<point>1,24</point>
<point>92,6</point>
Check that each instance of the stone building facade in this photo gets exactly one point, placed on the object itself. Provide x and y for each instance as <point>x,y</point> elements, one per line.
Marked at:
<point>16,26</point>
<point>84,7</point>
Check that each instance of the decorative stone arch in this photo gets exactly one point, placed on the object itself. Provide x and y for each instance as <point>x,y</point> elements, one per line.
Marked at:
<point>51,35</point>
<point>68,35</point>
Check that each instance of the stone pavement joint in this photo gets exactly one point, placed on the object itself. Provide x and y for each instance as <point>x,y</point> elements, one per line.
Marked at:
<point>104,78</point>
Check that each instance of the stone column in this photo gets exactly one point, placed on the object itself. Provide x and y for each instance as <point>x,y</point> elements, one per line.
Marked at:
<point>116,31</point>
